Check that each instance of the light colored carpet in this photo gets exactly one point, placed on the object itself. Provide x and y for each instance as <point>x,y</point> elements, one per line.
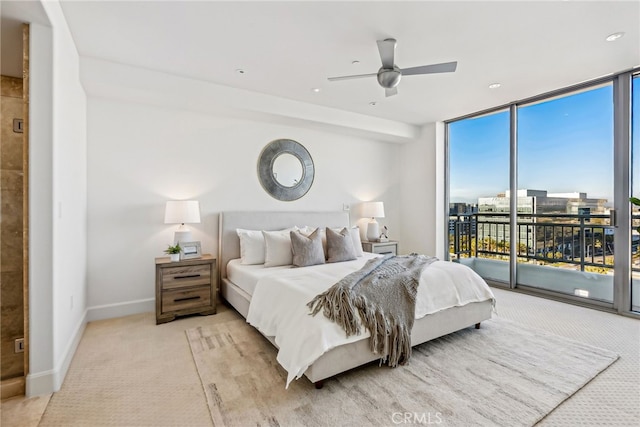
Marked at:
<point>503,374</point>
<point>131,372</point>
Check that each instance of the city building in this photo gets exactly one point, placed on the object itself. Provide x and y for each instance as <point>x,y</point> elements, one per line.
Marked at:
<point>538,202</point>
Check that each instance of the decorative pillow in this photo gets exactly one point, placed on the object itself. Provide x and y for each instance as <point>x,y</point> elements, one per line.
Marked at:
<point>340,246</point>
<point>323,234</point>
<point>357,243</point>
<point>355,236</point>
<point>277,248</point>
<point>307,250</point>
<point>251,246</point>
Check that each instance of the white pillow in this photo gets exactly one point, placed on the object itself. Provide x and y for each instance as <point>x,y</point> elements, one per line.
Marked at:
<point>357,244</point>
<point>251,246</point>
<point>277,245</point>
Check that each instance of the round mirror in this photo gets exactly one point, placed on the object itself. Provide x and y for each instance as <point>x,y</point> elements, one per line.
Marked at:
<point>285,169</point>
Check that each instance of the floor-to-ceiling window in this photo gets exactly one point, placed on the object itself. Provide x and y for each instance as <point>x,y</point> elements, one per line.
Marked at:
<point>559,154</point>
<point>635,186</point>
<point>478,203</point>
<point>565,179</point>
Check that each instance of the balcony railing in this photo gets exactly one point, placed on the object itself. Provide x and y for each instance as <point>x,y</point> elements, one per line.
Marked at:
<point>582,240</point>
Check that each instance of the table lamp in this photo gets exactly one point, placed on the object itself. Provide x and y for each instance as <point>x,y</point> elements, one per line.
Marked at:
<point>182,212</point>
<point>373,210</point>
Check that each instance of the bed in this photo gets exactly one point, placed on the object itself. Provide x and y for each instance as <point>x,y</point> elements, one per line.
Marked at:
<point>344,357</point>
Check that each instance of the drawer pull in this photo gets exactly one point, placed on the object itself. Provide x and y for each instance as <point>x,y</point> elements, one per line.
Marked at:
<point>186,299</point>
<point>188,276</point>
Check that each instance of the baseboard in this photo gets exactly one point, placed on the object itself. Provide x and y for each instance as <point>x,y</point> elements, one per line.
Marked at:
<point>40,383</point>
<point>110,311</point>
<point>70,352</point>
<point>46,382</point>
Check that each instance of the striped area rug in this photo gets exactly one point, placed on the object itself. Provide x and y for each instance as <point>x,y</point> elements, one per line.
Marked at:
<point>501,375</point>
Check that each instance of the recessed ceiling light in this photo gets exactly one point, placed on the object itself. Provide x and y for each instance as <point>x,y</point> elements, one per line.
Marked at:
<point>355,62</point>
<point>613,37</point>
<point>315,89</point>
<point>373,103</point>
<point>239,71</point>
<point>494,85</point>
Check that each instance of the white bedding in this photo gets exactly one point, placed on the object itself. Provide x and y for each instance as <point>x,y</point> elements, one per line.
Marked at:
<point>279,309</point>
<point>246,276</point>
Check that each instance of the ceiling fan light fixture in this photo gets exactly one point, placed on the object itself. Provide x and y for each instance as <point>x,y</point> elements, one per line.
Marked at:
<point>389,74</point>
<point>389,78</point>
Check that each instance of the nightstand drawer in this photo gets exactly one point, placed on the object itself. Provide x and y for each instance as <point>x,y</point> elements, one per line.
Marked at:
<point>186,276</point>
<point>385,249</point>
<point>186,299</point>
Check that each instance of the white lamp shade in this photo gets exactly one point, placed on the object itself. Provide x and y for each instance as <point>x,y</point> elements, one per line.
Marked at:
<point>182,212</point>
<point>373,210</point>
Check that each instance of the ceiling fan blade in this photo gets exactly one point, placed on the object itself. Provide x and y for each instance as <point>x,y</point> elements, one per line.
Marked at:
<point>390,92</point>
<point>445,67</point>
<point>357,76</point>
<point>387,49</point>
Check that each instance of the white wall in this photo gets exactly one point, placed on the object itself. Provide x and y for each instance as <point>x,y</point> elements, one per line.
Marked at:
<point>58,208</point>
<point>422,192</point>
<point>141,155</point>
<point>40,379</point>
<point>69,194</point>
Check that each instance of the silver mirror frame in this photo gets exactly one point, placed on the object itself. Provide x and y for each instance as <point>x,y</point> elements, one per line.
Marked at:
<point>265,169</point>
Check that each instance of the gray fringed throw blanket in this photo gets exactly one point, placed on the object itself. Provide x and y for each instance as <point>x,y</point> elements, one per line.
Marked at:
<point>384,294</point>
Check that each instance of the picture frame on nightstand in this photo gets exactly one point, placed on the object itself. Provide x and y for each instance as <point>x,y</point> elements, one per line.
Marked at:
<point>190,250</point>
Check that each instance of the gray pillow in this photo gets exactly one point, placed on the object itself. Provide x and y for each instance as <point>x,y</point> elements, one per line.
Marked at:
<point>340,246</point>
<point>307,250</point>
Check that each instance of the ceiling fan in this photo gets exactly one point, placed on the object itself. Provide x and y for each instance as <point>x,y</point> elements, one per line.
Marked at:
<point>389,74</point>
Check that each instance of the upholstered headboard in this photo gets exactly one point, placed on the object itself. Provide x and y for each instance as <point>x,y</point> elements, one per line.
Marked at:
<point>229,244</point>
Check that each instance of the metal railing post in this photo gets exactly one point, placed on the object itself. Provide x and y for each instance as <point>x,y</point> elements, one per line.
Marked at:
<point>475,216</point>
<point>583,242</point>
<point>456,236</point>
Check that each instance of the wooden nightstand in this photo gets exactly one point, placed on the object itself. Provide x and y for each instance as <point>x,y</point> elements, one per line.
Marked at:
<point>185,287</point>
<point>389,247</point>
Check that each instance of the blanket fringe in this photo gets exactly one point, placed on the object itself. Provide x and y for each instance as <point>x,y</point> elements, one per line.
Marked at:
<point>390,336</point>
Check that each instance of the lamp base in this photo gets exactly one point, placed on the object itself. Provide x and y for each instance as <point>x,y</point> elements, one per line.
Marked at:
<point>182,236</point>
<point>373,231</point>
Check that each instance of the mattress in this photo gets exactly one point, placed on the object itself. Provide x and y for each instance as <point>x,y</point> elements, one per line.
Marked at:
<point>246,276</point>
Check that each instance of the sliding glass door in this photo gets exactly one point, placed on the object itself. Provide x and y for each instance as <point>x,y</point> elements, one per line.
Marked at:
<point>565,181</point>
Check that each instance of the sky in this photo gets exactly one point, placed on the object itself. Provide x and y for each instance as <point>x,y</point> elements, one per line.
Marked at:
<point>564,145</point>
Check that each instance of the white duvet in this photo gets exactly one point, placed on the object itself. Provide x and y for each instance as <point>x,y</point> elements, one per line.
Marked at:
<point>279,309</point>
